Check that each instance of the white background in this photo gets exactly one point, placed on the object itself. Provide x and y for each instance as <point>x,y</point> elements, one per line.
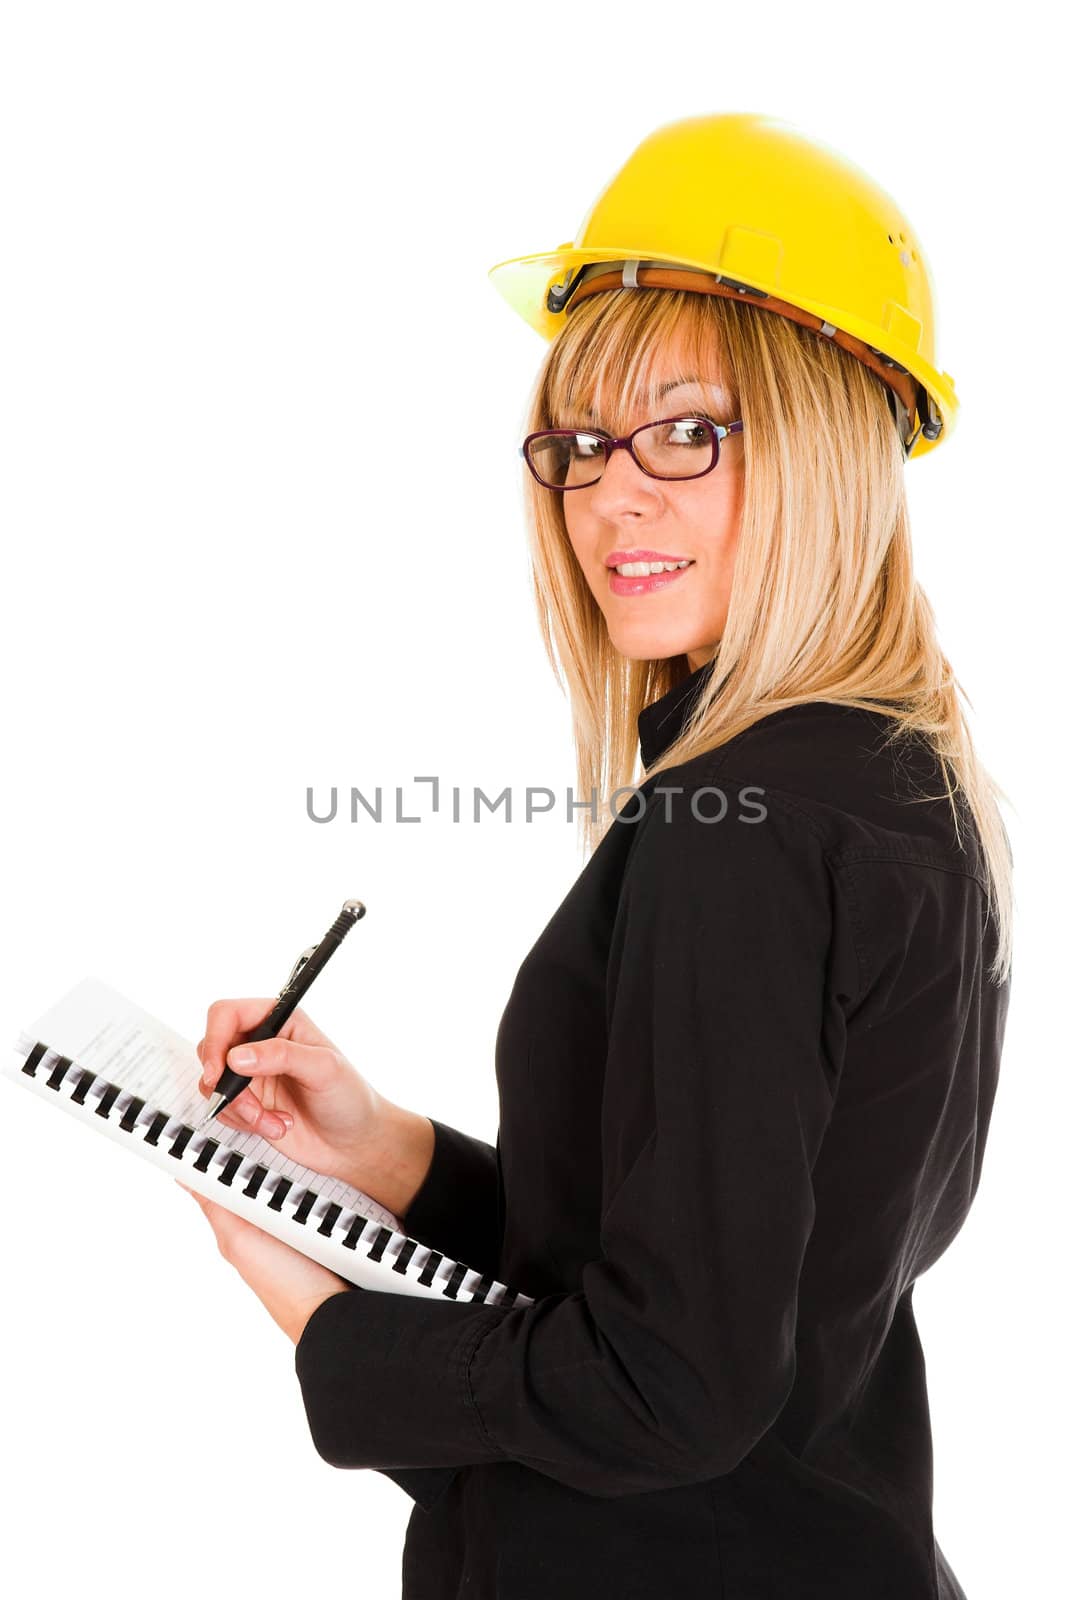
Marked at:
<point>245,284</point>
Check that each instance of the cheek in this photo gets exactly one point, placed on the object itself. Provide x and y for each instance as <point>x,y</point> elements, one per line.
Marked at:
<point>712,515</point>
<point>581,533</point>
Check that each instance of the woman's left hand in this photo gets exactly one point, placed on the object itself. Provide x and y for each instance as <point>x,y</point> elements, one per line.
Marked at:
<point>289,1284</point>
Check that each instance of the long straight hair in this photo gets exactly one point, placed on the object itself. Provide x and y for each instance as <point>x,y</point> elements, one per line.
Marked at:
<point>824,603</point>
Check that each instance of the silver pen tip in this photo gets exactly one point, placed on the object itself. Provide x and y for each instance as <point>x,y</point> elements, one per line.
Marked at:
<point>213,1105</point>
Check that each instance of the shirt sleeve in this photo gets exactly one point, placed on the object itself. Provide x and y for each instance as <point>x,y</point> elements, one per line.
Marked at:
<point>678,1352</point>
<point>459,1207</point>
<point>459,1211</point>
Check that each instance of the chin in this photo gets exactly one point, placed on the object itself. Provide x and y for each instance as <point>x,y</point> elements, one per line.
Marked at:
<point>653,644</point>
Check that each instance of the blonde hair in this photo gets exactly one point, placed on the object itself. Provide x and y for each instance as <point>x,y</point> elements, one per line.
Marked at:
<point>824,603</point>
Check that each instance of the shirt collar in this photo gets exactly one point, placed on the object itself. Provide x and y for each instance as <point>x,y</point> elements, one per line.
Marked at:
<point>660,723</point>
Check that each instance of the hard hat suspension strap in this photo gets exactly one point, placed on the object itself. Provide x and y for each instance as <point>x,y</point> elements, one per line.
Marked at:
<point>920,415</point>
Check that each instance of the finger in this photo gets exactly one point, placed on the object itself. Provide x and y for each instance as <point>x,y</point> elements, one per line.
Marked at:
<point>317,1067</point>
<point>206,1206</point>
<point>230,1020</point>
<point>247,1109</point>
<point>225,1225</point>
<point>247,1114</point>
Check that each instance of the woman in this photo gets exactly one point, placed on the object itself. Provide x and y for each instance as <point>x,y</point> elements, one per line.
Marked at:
<point>746,1070</point>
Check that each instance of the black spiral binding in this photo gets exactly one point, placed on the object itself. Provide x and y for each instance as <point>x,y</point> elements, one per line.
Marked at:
<point>229,1167</point>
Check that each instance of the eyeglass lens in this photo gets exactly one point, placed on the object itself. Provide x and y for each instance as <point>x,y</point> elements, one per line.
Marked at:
<point>682,447</point>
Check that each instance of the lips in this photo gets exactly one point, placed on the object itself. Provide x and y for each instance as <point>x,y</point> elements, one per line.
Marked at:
<point>651,584</point>
<point>618,558</point>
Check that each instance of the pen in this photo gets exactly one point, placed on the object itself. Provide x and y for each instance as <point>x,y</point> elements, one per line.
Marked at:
<point>308,966</point>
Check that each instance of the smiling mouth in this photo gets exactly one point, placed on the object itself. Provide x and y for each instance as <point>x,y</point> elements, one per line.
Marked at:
<point>635,579</point>
<point>648,568</point>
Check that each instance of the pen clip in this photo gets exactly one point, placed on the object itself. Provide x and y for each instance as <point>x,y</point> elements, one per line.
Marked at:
<point>301,962</point>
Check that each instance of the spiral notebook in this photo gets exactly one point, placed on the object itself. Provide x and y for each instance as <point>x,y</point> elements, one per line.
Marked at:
<point>125,1074</point>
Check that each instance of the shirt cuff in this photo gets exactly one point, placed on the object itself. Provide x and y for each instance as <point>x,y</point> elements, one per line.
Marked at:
<point>385,1380</point>
<point>424,1484</point>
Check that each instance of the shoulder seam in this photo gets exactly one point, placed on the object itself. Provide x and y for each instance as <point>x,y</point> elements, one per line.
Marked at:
<point>842,853</point>
<point>860,858</point>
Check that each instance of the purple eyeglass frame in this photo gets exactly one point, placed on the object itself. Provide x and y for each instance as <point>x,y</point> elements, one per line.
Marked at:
<point>721,431</point>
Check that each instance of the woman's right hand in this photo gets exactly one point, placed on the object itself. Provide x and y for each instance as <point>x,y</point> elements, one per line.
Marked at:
<point>305,1097</point>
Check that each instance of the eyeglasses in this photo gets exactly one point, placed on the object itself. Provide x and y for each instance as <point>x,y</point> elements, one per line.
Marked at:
<point>575,458</point>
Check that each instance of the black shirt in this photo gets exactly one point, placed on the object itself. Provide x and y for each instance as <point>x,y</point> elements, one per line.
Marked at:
<point>745,1075</point>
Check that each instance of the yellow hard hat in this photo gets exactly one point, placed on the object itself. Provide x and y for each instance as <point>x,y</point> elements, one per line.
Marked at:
<point>746,206</point>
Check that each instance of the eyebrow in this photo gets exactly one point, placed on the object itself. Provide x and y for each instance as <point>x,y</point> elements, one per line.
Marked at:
<point>675,383</point>
<point>680,383</point>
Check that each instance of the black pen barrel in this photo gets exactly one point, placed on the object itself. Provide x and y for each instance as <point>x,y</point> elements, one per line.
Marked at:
<point>230,1083</point>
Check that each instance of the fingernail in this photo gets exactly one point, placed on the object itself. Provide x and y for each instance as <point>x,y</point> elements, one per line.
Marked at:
<point>273,1127</point>
<point>287,1120</point>
<point>241,1055</point>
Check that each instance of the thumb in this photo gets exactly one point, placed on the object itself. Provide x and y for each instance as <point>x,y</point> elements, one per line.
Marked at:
<point>314,1066</point>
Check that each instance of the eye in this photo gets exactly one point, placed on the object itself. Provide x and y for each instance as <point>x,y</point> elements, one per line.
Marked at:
<point>586,446</point>
<point>691,431</point>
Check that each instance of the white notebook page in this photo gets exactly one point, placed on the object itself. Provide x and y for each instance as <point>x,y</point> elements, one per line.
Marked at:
<point>102,1030</point>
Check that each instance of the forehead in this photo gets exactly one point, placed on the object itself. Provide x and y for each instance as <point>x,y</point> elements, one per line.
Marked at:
<point>663,396</point>
<point>685,382</point>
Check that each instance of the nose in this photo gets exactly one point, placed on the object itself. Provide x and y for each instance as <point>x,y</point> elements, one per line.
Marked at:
<point>623,488</point>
